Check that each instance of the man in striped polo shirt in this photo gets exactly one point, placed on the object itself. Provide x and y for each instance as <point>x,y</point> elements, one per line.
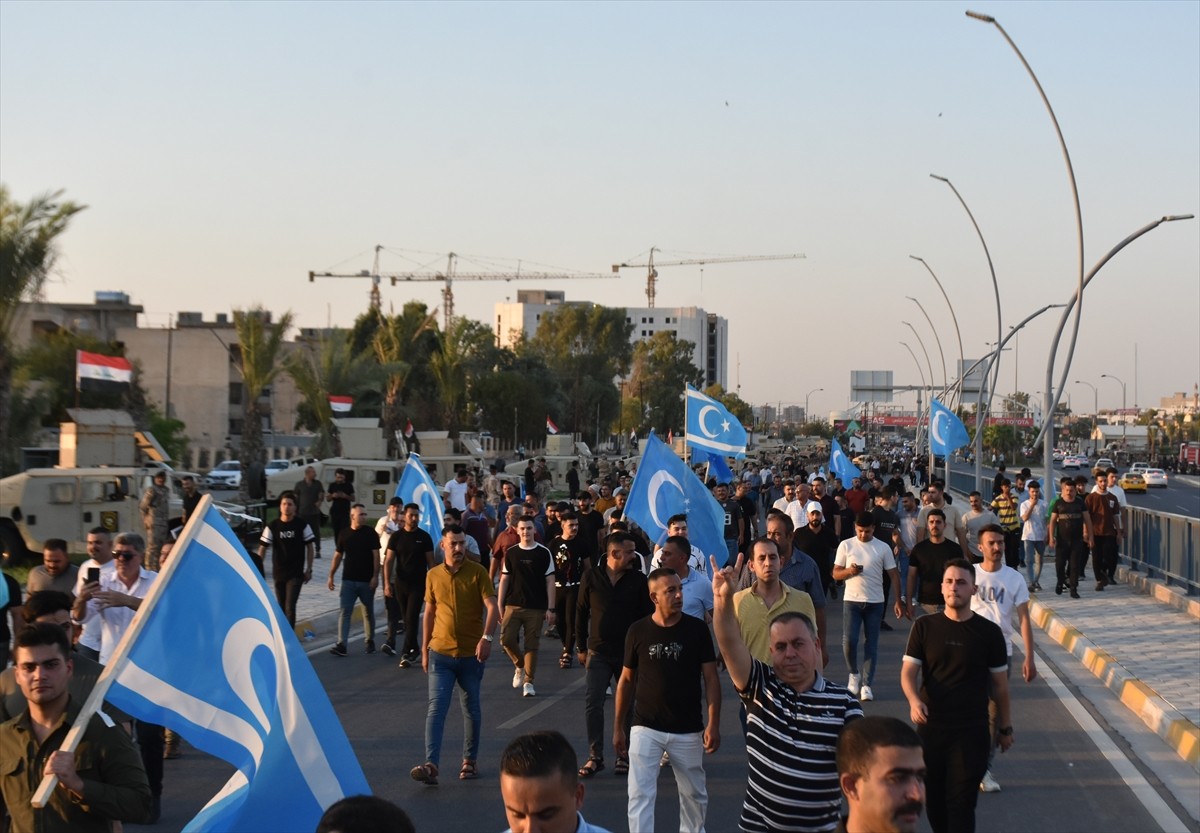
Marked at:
<point>791,785</point>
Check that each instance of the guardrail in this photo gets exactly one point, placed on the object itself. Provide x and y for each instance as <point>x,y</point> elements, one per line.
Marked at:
<point>1160,543</point>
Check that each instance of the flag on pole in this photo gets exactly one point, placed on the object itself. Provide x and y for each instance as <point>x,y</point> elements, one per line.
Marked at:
<point>416,486</point>
<point>102,374</point>
<point>671,438</point>
<point>947,433</point>
<point>551,428</point>
<point>663,487</point>
<point>711,427</point>
<point>340,404</point>
<point>717,466</point>
<point>408,430</point>
<point>211,656</point>
<point>841,466</point>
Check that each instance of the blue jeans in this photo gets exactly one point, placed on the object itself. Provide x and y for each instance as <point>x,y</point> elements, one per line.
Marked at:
<point>857,616</point>
<point>731,545</point>
<point>1034,550</point>
<point>356,591</point>
<point>444,673</point>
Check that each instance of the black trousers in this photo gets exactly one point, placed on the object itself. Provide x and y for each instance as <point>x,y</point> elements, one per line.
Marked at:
<point>955,761</point>
<point>1012,548</point>
<point>601,671</point>
<point>394,613</point>
<point>410,597</point>
<point>567,601</point>
<point>1068,561</point>
<point>150,740</point>
<point>1104,560</point>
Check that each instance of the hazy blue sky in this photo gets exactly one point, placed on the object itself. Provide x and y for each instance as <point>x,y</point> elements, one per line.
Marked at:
<point>225,149</point>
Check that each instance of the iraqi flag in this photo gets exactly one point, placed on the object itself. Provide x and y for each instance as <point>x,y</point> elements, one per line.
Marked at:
<point>102,374</point>
<point>551,428</point>
<point>408,430</point>
<point>340,404</point>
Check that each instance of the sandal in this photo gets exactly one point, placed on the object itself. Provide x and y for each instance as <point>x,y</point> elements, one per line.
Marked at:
<point>592,766</point>
<point>622,766</point>
<point>427,774</point>
<point>469,771</point>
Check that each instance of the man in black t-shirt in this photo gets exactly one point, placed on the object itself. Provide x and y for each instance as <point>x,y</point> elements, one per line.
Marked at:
<point>409,558</point>
<point>1070,535</point>
<point>667,655</point>
<point>570,555</point>
<point>926,564</point>
<point>735,524</point>
<point>591,525</point>
<point>291,541</point>
<point>527,596</point>
<point>957,657</point>
<point>341,495</point>
<point>358,553</point>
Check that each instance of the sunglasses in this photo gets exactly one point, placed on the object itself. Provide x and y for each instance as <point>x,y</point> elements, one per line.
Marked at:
<point>125,555</point>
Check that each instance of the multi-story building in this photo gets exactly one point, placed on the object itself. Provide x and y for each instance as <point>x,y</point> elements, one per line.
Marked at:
<point>707,331</point>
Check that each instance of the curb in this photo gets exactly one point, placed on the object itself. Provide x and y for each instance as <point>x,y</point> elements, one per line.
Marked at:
<point>324,625</point>
<point>1181,734</point>
<point>1160,590</point>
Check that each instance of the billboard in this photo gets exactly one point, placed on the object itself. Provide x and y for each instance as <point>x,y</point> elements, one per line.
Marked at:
<point>871,386</point>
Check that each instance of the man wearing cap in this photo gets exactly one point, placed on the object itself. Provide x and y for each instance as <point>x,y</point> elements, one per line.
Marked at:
<point>820,542</point>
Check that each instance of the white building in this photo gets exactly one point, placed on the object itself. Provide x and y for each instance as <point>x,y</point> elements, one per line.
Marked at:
<point>709,332</point>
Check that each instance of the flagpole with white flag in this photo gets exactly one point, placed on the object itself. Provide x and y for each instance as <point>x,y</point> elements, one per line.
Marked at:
<point>92,705</point>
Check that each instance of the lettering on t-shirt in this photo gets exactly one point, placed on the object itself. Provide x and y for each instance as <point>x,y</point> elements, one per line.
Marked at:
<point>991,594</point>
<point>668,650</point>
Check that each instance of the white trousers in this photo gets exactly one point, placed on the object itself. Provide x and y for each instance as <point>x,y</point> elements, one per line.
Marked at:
<point>687,760</point>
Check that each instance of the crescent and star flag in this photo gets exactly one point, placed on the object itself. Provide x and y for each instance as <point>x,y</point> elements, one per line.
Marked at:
<point>416,486</point>
<point>841,466</point>
<point>340,404</point>
<point>711,427</point>
<point>664,486</point>
<point>211,656</point>
<point>717,466</point>
<point>551,428</point>
<point>947,433</point>
<point>102,374</point>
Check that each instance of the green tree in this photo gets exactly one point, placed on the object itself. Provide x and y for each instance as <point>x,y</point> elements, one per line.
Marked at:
<point>654,393</point>
<point>257,360</point>
<point>329,366</point>
<point>586,349</point>
<point>402,344</point>
<point>28,236</point>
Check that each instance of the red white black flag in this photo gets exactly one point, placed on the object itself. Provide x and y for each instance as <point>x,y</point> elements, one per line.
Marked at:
<point>551,428</point>
<point>340,404</point>
<point>102,374</point>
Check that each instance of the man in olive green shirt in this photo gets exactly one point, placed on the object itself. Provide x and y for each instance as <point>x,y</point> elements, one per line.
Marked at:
<point>757,605</point>
<point>101,782</point>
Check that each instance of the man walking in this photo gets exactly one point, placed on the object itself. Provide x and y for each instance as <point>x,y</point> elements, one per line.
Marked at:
<point>409,558</point>
<point>384,527</point>
<point>667,656</point>
<point>799,571</point>
<point>309,494</point>
<point>341,495</point>
<point>1104,511</point>
<point>951,660</point>
<point>926,565</point>
<point>697,591</point>
<point>881,770</point>
<point>291,541</point>
<point>526,597</point>
<point>359,549</point>
<point>570,563</point>
<point>612,596</point>
<point>1070,530</point>
<point>459,628</point>
<point>1033,534</point>
<point>155,506</point>
<point>862,562</point>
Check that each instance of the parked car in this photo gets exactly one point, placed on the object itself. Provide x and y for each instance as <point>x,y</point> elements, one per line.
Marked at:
<point>1105,463</point>
<point>1155,477</point>
<point>275,466</point>
<point>1133,482</point>
<point>227,475</point>
<point>1139,467</point>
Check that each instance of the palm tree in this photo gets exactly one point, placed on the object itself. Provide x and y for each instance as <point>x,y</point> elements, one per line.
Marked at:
<point>449,371</point>
<point>398,347</point>
<point>28,236</point>
<point>330,367</point>
<point>257,359</point>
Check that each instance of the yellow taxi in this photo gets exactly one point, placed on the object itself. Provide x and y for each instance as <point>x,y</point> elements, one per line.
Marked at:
<point>1132,482</point>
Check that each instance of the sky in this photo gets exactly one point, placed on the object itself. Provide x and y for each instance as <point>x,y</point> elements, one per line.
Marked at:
<point>226,149</point>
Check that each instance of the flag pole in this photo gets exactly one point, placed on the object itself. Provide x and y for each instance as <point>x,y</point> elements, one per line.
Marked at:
<point>41,796</point>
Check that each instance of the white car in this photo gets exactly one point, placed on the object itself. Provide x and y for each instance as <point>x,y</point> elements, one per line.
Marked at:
<point>1105,463</point>
<point>1154,477</point>
<point>276,466</point>
<point>227,475</point>
<point>1072,461</point>
<point>1139,467</point>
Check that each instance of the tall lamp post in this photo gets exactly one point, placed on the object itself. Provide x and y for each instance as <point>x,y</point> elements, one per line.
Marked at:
<point>1124,416</point>
<point>920,410</point>
<point>810,393</point>
<point>929,364</point>
<point>1095,409</point>
<point>953,317</point>
<point>938,339</point>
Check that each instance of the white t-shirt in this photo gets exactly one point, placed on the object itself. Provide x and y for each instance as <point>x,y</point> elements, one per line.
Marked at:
<point>1033,529</point>
<point>91,626</point>
<point>795,511</point>
<point>458,494</point>
<point>954,521</point>
<point>384,528</point>
<point>997,596</point>
<point>874,557</point>
<point>975,522</point>
<point>696,562</point>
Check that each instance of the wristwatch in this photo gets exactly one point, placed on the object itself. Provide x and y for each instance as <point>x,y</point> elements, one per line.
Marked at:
<point>1006,731</point>
<point>489,637</point>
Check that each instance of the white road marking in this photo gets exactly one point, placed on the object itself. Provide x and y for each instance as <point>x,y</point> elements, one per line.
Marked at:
<point>543,704</point>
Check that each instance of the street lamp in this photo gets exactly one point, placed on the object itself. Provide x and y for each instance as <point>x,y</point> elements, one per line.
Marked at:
<point>953,317</point>
<point>1124,416</point>
<point>1095,409</point>
<point>938,339</point>
<point>810,393</point>
<point>920,423</point>
<point>929,364</point>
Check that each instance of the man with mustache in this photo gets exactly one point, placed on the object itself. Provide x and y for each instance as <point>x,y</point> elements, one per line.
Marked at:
<point>881,770</point>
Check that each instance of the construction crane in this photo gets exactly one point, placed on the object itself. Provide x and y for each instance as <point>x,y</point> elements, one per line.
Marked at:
<point>652,268</point>
<point>448,277</point>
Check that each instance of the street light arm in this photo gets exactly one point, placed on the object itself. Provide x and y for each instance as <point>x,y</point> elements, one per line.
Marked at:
<point>953,317</point>
<point>945,378</point>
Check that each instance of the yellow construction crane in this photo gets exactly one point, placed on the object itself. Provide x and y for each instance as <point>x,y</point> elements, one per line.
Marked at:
<point>448,277</point>
<point>652,268</point>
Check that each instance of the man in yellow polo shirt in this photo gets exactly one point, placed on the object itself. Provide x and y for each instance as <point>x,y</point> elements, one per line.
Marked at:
<point>765,599</point>
<point>457,633</point>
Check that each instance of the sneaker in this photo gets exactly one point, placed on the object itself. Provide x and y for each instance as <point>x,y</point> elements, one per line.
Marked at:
<point>527,690</point>
<point>665,760</point>
<point>608,692</point>
<point>408,658</point>
<point>338,650</point>
<point>866,694</point>
<point>1074,594</point>
<point>370,646</point>
<point>989,784</point>
<point>389,649</point>
<point>855,683</point>
<point>518,677</point>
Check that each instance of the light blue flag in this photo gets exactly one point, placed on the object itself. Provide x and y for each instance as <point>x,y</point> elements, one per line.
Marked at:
<point>840,465</point>
<point>211,656</point>
<point>664,486</point>
<point>717,466</point>
<point>711,427</point>
<point>416,486</point>
<point>947,433</point>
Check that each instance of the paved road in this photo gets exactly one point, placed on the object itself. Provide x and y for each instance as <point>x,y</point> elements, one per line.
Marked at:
<point>1055,779</point>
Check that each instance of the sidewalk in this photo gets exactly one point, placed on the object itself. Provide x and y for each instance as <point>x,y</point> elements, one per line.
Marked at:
<point>1142,640</point>
<point>317,610</point>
